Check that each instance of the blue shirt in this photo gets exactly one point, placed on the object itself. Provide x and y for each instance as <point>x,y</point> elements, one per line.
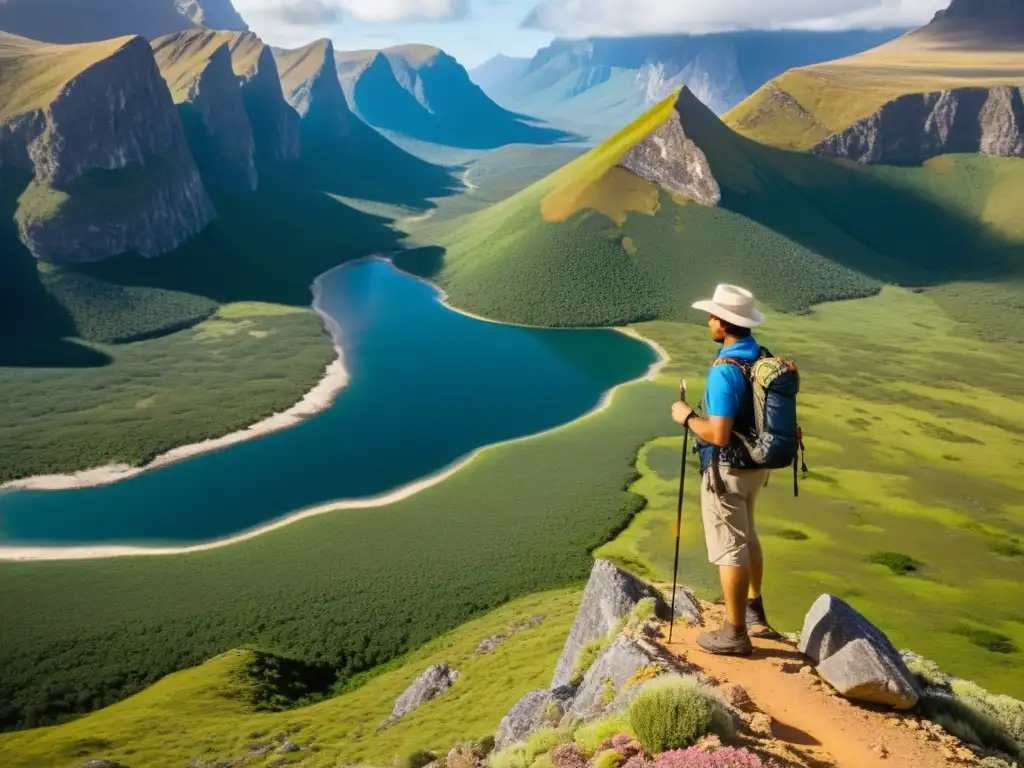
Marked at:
<point>726,385</point>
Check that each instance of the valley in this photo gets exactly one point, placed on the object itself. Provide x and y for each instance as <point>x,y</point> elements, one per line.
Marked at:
<point>457,314</point>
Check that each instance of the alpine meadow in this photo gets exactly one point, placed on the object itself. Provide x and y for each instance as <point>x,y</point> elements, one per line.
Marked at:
<point>246,278</point>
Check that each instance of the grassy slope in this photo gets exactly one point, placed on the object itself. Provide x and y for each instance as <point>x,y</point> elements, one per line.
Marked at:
<point>915,430</point>
<point>802,229</point>
<point>205,712</point>
<point>355,588</point>
<point>33,74</point>
<point>832,96</point>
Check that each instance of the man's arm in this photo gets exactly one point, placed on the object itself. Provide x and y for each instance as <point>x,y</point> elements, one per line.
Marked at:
<point>716,430</point>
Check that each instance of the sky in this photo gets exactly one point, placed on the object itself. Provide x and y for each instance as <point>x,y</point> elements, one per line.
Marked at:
<point>474,30</point>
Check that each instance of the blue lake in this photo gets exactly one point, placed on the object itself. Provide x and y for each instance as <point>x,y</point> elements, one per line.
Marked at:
<point>428,386</point>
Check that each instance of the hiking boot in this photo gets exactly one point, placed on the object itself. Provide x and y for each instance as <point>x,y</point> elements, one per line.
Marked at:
<point>757,622</point>
<point>727,641</point>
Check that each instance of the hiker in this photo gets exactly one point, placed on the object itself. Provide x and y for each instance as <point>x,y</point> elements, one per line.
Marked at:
<point>730,478</point>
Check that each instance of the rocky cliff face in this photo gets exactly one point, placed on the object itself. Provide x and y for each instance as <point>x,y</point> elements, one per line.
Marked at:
<point>275,124</point>
<point>209,98</point>
<point>983,10</point>
<point>112,168</point>
<point>916,127</point>
<point>670,158</point>
<point>309,79</point>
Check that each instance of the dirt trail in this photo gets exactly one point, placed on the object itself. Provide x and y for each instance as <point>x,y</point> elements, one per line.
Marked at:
<point>809,721</point>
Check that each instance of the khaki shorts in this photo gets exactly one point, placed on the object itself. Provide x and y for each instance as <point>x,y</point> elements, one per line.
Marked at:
<point>729,518</point>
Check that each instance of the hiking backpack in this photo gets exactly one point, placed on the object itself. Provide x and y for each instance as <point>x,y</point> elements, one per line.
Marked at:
<point>775,440</point>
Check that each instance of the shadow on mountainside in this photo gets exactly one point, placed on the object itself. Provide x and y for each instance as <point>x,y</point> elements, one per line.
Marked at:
<point>857,216</point>
<point>34,326</point>
<point>268,246</point>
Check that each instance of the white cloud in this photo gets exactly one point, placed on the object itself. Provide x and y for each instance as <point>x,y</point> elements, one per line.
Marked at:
<point>593,18</point>
<point>314,13</point>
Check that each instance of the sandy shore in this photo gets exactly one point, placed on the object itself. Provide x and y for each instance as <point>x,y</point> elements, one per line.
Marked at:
<point>319,398</point>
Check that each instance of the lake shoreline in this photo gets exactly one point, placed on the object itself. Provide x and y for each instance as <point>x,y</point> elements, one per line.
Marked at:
<point>83,552</point>
<point>335,378</point>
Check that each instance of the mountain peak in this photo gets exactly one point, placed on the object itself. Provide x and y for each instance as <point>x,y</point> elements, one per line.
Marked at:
<point>984,10</point>
<point>415,54</point>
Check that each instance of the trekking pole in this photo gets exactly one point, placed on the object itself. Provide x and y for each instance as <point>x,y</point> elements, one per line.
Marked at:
<point>679,513</point>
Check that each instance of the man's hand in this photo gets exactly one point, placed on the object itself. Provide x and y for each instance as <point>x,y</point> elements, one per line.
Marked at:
<point>680,411</point>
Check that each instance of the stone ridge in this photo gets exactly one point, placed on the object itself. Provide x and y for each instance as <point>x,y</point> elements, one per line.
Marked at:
<point>116,115</point>
<point>210,103</point>
<point>309,78</point>
<point>670,158</point>
<point>913,128</point>
<point>275,123</point>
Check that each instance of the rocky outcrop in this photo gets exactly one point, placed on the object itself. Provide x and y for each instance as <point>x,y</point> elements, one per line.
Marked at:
<point>493,642</point>
<point>855,657</point>
<point>536,710</point>
<point>610,595</point>
<point>275,123</point>
<point>432,683</point>
<point>198,68</point>
<point>670,158</point>
<point>913,128</point>
<point>112,168</point>
<point>609,675</point>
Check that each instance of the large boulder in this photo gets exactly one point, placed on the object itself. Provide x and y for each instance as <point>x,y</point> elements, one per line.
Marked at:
<point>536,710</point>
<point>608,676</point>
<point>855,657</point>
<point>610,595</point>
<point>436,680</point>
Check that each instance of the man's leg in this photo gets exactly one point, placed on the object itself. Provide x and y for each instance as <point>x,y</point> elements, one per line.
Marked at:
<point>757,622</point>
<point>725,529</point>
<point>735,582</point>
<point>756,567</point>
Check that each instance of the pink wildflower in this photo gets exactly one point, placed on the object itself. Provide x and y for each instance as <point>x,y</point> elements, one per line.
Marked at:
<point>694,757</point>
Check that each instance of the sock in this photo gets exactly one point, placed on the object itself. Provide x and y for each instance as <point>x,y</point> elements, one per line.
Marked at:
<point>755,603</point>
<point>733,632</point>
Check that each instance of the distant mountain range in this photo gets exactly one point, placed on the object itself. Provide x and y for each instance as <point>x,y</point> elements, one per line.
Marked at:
<point>421,92</point>
<point>597,85</point>
<point>77,21</point>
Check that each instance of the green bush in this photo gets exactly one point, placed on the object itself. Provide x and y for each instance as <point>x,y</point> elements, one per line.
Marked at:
<point>591,736</point>
<point>608,759</point>
<point>524,755</point>
<point>675,712</point>
<point>896,562</point>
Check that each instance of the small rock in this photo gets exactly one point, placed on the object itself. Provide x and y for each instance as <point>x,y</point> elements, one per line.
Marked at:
<point>808,670</point>
<point>290,746</point>
<point>791,667</point>
<point>855,657</point>
<point>881,750</point>
<point>465,756</point>
<point>432,683</point>
<point>737,696</point>
<point>761,724</point>
<point>489,644</point>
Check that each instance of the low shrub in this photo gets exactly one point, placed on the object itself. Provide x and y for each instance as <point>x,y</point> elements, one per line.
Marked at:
<point>695,757</point>
<point>644,675</point>
<point>896,562</point>
<point>524,755</point>
<point>673,713</point>
<point>569,756</point>
<point>592,736</point>
<point>1006,711</point>
<point>609,759</point>
<point>641,612</point>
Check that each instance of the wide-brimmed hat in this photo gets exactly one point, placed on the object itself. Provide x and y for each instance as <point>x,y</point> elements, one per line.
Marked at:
<point>732,304</point>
